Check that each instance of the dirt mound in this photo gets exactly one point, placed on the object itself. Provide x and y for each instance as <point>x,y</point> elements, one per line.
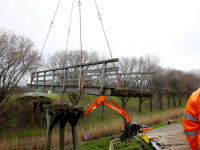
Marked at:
<point>17,113</point>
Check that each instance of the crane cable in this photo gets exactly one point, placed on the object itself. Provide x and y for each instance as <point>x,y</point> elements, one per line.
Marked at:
<point>79,4</point>
<point>99,15</point>
<point>69,25</point>
<point>69,29</point>
<point>51,24</point>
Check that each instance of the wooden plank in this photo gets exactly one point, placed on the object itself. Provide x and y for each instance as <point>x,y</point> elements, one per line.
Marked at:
<point>169,140</point>
<point>108,91</point>
<point>182,147</point>
<point>80,79</point>
<point>85,78</point>
<point>133,78</point>
<point>64,80</point>
<point>44,80</point>
<point>86,64</point>
<point>135,73</point>
<point>130,93</point>
<point>36,81</point>
<point>114,69</point>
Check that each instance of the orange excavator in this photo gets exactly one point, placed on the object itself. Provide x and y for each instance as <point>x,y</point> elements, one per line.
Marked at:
<point>130,128</point>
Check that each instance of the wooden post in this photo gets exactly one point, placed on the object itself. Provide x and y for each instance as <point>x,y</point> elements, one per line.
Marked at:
<point>62,113</point>
<point>48,140</point>
<point>41,112</point>
<point>141,84</point>
<point>103,78</point>
<point>52,119</point>
<point>33,113</point>
<point>80,79</point>
<point>36,106</point>
<point>32,74</point>
<point>64,80</point>
<point>49,132</point>
<point>44,80</point>
<point>62,131</point>
<point>75,139</point>
<point>52,86</point>
<point>36,85</point>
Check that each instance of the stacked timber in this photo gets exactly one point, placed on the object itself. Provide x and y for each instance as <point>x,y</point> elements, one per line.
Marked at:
<point>167,140</point>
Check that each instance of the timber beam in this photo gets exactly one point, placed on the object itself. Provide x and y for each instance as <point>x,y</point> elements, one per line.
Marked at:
<point>62,113</point>
<point>130,93</point>
<point>38,104</point>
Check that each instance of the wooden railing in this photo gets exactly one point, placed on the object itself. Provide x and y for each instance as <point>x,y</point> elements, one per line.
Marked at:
<point>96,78</point>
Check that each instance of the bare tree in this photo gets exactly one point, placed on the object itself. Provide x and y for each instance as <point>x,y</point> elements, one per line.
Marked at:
<point>148,63</point>
<point>174,81</point>
<point>62,58</point>
<point>168,96</point>
<point>17,57</point>
<point>126,66</point>
<point>159,84</point>
<point>181,87</point>
<point>129,65</point>
<point>191,81</point>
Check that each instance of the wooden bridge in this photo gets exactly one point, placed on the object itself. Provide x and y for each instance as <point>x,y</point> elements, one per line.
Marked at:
<point>95,78</point>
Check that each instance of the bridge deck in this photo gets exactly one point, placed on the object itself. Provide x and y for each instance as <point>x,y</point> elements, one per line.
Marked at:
<point>96,78</point>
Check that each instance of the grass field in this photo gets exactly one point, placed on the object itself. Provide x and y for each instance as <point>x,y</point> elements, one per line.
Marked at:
<point>98,128</point>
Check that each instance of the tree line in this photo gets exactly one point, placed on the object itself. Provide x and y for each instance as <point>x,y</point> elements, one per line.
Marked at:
<point>18,57</point>
<point>168,82</point>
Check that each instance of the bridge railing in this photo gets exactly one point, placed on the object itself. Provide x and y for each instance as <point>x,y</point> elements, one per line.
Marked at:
<point>91,78</point>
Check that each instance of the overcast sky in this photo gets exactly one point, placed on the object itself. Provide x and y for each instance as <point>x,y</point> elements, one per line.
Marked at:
<point>169,29</point>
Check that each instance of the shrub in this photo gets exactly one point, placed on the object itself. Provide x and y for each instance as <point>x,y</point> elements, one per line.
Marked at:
<point>12,123</point>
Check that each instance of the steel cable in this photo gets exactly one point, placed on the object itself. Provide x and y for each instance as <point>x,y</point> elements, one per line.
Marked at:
<point>99,15</point>
<point>69,24</point>
<point>51,24</point>
<point>79,4</point>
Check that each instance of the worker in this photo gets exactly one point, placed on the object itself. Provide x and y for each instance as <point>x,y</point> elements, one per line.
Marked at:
<point>191,121</point>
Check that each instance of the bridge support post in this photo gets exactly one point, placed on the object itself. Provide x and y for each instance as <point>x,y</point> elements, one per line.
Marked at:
<point>62,113</point>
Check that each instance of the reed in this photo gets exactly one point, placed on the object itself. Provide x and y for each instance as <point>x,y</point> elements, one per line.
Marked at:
<point>95,132</point>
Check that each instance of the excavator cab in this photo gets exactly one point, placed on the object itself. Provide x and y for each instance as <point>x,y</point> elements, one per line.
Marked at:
<point>132,129</point>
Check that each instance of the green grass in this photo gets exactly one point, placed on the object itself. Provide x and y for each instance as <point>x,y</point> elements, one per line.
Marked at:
<point>94,118</point>
<point>54,95</point>
<point>129,144</point>
<point>27,132</point>
<point>101,144</point>
<point>132,144</point>
<point>159,125</point>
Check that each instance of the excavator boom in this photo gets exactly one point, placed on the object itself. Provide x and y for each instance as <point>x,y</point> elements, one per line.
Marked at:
<point>101,100</point>
<point>130,128</point>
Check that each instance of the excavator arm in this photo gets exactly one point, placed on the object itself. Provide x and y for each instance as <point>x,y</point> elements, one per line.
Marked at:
<point>102,100</point>
<point>130,128</point>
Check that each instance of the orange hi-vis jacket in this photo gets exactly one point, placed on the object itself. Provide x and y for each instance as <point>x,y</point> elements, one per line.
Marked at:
<point>191,122</point>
